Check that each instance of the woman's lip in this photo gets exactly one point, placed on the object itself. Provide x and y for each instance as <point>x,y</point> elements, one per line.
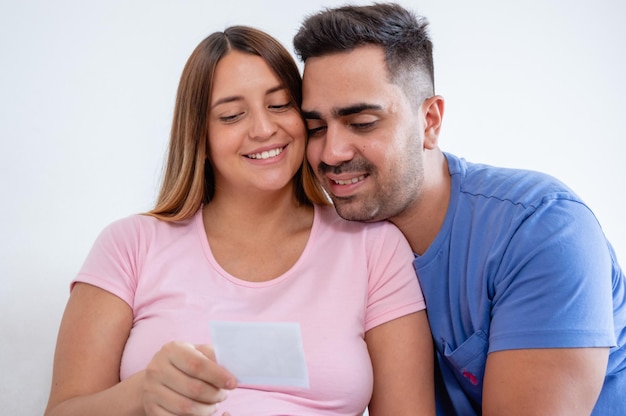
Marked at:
<point>265,153</point>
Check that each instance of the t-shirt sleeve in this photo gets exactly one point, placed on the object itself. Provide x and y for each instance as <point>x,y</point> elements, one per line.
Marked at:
<point>112,262</point>
<point>554,286</point>
<point>394,290</point>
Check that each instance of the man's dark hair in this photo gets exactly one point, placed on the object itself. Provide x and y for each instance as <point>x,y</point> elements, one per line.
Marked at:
<point>402,35</point>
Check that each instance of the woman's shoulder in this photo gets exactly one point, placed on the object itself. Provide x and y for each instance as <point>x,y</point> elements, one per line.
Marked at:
<point>130,223</point>
<point>330,219</point>
<point>143,225</point>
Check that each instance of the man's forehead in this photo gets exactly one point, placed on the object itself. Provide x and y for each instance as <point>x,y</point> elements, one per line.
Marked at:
<point>339,83</point>
<point>360,62</point>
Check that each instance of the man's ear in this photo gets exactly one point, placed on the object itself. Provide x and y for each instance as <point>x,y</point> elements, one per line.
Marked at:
<point>432,111</point>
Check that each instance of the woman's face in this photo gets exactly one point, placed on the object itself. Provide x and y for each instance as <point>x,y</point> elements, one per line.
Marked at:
<point>256,136</point>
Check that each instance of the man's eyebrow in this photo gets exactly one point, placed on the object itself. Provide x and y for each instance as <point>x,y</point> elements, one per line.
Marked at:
<point>355,109</point>
<point>311,115</point>
<point>342,112</point>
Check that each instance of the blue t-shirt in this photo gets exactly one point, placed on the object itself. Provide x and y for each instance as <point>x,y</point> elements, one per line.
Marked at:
<point>520,262</point>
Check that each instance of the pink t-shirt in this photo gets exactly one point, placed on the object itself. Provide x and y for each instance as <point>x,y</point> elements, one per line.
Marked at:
<point>350,278</point>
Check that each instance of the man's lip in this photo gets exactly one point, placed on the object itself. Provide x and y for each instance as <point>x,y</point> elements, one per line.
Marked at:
<point>348,180</point>
<point>345,185</point>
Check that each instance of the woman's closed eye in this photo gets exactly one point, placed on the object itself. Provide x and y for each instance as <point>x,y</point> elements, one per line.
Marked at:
<point>280,107</point>
<point>229,118</point>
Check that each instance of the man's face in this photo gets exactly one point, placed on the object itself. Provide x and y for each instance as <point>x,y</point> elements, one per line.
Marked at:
<point>365,144</point>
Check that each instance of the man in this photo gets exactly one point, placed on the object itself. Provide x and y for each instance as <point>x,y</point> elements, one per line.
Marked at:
<point>526,301</point>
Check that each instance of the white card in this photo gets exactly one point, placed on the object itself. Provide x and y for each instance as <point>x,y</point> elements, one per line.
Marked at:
<point>261,353</point>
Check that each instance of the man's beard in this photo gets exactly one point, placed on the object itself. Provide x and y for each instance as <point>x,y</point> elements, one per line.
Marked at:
<point>384,201</point>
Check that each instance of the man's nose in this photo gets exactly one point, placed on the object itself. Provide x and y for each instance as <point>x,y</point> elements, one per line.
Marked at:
<point>337,146</point>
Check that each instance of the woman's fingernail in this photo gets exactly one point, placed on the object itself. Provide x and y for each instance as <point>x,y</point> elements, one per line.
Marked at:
<point>230,384</point>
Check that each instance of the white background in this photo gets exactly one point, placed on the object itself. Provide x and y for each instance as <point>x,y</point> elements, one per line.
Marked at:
<point>86,96</point>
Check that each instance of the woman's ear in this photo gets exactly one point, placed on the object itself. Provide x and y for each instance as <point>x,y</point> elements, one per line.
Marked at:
<point>432,114</point>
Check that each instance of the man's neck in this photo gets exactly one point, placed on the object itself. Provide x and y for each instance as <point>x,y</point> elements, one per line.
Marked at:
<point>421,222</point>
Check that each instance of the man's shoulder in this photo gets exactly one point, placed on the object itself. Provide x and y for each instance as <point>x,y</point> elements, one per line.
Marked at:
<point>513,185</point>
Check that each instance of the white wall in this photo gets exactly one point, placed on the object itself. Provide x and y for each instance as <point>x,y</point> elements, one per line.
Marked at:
<point>86,96</point>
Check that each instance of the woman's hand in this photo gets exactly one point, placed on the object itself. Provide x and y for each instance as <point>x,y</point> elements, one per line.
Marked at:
<point>185,379</point>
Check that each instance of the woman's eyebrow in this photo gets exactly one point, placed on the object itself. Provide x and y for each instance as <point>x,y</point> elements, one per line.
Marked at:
<point>232,98</point>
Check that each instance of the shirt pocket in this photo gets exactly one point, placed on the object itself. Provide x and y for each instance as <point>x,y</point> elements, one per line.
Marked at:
<point>467,362</point>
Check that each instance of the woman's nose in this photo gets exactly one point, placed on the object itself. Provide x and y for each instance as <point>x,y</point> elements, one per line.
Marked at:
<point>262,126</point>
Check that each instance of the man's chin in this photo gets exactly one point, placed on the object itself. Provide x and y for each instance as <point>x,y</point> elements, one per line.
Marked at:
<point>354,211</point>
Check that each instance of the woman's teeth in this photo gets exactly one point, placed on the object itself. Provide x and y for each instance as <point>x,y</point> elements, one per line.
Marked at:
<point>266,154</point>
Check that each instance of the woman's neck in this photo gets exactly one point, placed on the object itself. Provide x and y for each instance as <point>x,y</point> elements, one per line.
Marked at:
<point>256,238</point>
<point>254,209</point>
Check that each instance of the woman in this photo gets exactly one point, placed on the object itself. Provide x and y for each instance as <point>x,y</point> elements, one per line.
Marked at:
<point>242,232</point>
